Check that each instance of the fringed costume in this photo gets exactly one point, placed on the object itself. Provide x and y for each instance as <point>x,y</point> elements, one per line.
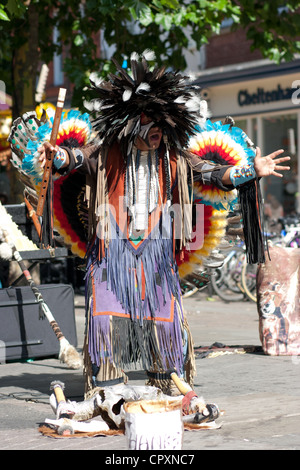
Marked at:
<point>132,214</point>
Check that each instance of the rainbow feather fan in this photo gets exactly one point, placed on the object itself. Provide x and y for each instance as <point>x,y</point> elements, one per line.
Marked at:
<point>74,131</point>
<point>69,211</point>
<point>222,144</point>
<point>215,222</point>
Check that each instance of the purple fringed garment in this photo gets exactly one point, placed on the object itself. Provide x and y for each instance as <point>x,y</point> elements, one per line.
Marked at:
<point>135,311</point>
<point>135,315</point>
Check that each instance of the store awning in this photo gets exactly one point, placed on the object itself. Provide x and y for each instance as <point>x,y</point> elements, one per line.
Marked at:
<point>252,70</point>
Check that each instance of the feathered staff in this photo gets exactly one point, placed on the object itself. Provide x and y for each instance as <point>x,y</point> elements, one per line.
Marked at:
<point>67,354</point>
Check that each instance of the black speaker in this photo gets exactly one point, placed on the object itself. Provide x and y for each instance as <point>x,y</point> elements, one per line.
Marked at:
<point>24,332</point>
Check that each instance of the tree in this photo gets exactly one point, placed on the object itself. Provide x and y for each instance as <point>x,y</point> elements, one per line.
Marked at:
<point>27,34</point>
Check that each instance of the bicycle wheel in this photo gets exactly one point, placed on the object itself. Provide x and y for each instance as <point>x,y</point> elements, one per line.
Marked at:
<point>248,280</point>
<point>221,284</point>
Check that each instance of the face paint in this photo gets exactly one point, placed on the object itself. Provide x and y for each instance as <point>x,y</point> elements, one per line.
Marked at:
<point>144,131</point>
<point>150,134</point>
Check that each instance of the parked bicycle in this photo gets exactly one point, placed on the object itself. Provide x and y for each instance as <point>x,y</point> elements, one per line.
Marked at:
<point>222,274</point>
<point>226,280</point>
<point>235,279</point>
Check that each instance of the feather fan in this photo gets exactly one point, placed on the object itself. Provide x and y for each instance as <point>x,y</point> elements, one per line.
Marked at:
<point>69,211</point>
<point>222,144</point>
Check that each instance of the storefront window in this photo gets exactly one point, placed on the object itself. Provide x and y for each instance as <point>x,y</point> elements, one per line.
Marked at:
<point>280,132</point>
<point>249,126</point>
<point>242,124</point>
<point>254,130</point>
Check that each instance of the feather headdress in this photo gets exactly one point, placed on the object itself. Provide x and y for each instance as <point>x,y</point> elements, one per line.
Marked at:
<point>164,96</point>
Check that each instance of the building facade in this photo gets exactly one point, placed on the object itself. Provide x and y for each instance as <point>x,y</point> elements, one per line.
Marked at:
<point>264,100</point>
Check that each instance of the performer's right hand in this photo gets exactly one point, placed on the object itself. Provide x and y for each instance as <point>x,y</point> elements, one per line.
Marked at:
<point>61,158</point>
<point>46,147</point>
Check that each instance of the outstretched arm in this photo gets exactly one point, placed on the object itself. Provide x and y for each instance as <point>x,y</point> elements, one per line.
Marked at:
<point>263,166</point>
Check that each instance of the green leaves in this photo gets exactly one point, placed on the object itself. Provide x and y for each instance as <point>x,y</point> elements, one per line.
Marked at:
<point>166,26</point>
<point>78,40</point>
<point>3,14</point>
<point>143,14</point>
<point>11,9</point>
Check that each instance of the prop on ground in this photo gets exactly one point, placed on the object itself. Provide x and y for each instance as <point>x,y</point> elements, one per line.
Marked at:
<point>105,412</point>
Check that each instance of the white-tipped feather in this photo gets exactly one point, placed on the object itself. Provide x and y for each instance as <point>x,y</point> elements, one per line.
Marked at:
<point>149,55</point>
<point>204,109</point>
<point>143,87</point>
<point>127,94</point>
<point>203,106</point>
<point>97,105</point>
<point>191,78</point>
<point>94,77</point>
<point>193,104</point>
<point>134,56</point>
<point>180,100</point>
<point>88,105</point>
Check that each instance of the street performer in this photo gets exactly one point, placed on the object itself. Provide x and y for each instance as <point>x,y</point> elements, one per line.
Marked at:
<point>139,173</point>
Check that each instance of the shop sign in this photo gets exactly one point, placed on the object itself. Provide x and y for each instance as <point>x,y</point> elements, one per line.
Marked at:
<point>260,96</point>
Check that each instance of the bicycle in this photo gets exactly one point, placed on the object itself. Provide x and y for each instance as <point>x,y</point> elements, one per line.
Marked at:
<point>194,282</point>
<point>235,279</point>
<point>226,280</point>
<point>248,280</point>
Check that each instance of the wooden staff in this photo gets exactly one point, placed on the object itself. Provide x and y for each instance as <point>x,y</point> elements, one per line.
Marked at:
<point>67,353</point>
<point>33,216</point>
<point>50,155</point>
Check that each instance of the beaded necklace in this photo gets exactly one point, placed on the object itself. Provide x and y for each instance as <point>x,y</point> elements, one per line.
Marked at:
<point>142,185</point>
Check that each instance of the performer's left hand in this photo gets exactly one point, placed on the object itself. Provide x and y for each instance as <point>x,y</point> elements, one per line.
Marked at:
<point>266,166</point>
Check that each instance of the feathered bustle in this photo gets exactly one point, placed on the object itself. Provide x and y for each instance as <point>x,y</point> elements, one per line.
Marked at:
<point>69,209</point>
<point>222,144</point>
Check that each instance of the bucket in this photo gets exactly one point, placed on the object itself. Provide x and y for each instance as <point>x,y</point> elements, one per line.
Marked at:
<point>153,425</point>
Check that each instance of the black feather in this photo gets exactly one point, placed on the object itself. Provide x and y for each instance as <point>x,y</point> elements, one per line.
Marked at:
<point>119,119</point>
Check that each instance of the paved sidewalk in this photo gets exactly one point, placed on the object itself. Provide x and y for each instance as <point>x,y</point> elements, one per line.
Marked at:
<point>259,394</point>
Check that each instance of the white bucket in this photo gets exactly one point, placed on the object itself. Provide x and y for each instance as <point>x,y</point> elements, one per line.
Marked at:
<point>153,425</point>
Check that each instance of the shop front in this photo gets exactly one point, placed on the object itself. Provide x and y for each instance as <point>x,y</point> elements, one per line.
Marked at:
<point>264,100</point>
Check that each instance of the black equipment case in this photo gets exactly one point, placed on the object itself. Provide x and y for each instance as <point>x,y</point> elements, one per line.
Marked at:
<point>24,330</point>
